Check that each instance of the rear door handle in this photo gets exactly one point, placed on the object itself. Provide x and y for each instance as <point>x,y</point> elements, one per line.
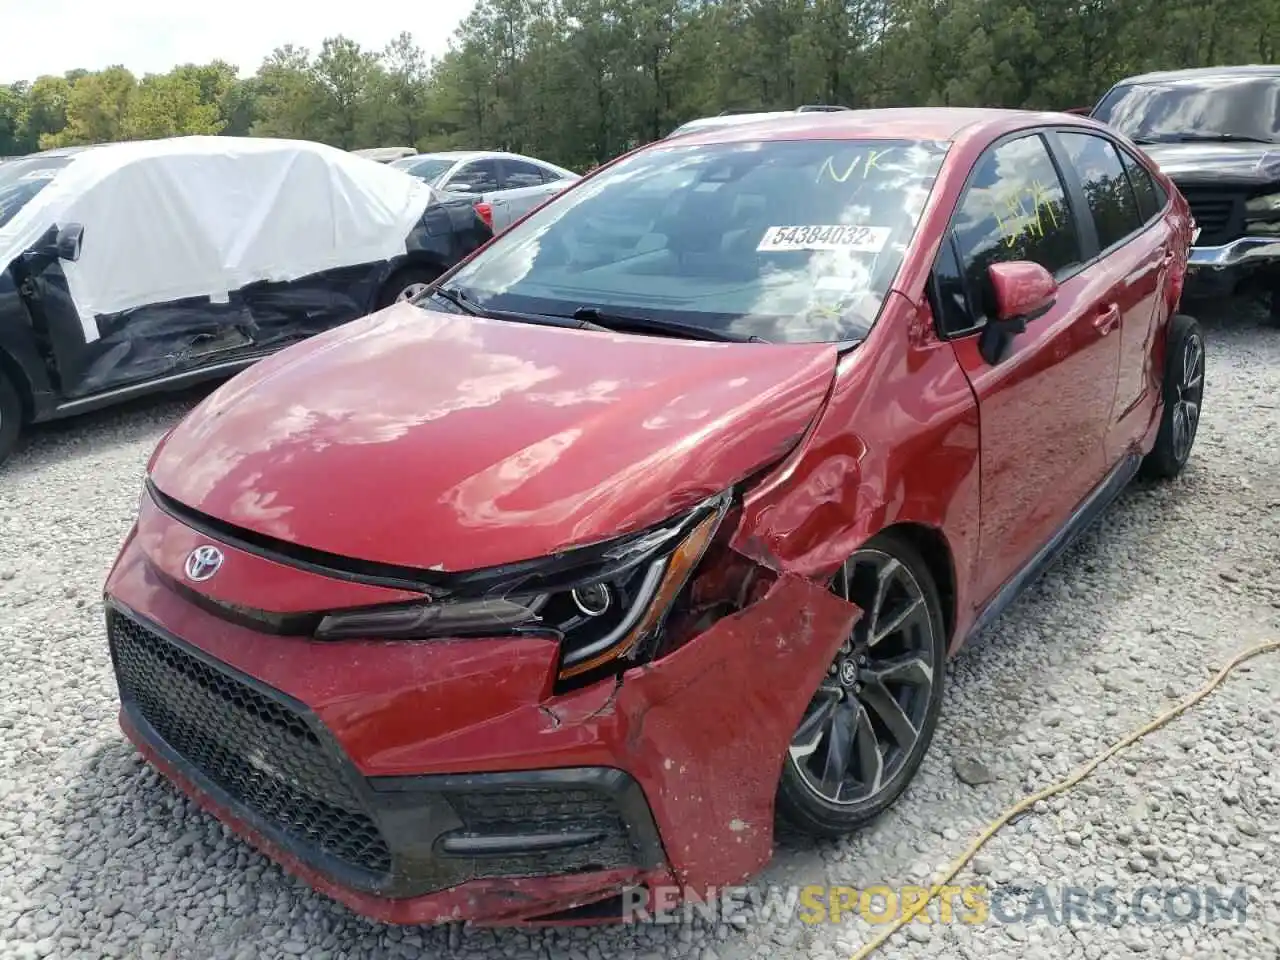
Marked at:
<point>1108,320</point>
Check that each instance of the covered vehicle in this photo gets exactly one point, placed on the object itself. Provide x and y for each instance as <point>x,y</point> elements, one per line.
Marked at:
<point>659,515</point>
<point>503,186</point>
<point>1216,132</point>
<point>135,267</point>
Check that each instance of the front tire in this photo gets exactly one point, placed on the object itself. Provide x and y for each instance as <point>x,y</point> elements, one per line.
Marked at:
<point>870,723</point>
<point>1183,389</point>
<point>10,417</point>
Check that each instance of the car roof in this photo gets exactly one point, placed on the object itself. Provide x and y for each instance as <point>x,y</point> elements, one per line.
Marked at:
<point>460,155</point>
<point>452,155</point>
<point>906,123</point>
<point>475,155</point>
<point>1240,71</point>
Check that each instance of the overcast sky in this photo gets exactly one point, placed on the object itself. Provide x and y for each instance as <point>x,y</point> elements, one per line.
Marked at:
<point>152,36</point>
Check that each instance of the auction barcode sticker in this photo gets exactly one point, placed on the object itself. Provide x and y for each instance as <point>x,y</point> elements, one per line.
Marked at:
<point>833,237</point>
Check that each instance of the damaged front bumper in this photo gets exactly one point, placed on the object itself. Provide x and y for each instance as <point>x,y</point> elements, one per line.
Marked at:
<point>532,811</point>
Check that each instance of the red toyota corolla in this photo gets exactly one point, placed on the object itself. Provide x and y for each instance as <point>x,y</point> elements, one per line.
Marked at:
<point>659,516</point>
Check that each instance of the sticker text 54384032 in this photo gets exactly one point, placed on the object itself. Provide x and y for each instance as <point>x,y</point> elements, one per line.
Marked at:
<point>832,237</point>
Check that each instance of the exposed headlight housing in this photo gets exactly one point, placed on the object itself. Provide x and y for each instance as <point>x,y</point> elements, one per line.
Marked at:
<point>601,602</point>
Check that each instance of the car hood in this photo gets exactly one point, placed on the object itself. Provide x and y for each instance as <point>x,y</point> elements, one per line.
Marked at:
<point>1240,163</point>
<point>446,442</point>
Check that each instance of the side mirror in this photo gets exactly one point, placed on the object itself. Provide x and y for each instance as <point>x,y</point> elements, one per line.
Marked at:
<point>59,243</point>
<point>1021,291</point>
<point>70,239</point>
<point>461,187</point>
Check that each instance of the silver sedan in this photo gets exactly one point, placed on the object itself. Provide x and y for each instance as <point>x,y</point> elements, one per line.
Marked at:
<point>509,184</point>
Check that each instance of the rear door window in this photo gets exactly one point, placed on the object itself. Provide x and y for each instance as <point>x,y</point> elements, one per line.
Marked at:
<point>522,174</point>
<point>481,175</point>
<point>1112,202</point>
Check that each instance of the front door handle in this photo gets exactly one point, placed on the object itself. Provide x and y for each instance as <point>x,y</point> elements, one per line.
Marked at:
<point>1108,320</point>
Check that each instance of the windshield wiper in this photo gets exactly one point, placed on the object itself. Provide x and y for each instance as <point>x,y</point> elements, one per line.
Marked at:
<point>468,306</point>
<point>1214,138</point>
<point>452,296</point>
<point>623,322</point>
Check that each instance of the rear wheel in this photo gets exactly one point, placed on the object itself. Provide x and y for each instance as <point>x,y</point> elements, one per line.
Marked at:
<point>871,721</point>
<point>10,416</point>
<point>1183,393</point>
<point>406,284</point>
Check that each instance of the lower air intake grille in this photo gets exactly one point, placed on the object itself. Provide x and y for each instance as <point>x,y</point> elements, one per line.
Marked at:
<point>542,811</point>
<point>261,752</point>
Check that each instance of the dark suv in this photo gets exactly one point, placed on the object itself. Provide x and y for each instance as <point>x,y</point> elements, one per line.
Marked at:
<point>1216,132</point>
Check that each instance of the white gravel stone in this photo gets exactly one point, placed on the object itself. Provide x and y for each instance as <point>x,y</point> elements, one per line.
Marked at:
<point>100,857</point>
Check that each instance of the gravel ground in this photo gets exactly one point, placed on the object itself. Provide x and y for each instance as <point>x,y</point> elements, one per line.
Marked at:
<point>100,857</point>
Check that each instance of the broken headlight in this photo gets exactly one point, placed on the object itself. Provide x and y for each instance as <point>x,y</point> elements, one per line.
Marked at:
<point>601,602</point>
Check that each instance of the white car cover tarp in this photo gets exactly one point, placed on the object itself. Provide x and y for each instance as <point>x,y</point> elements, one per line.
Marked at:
<point>166,220</point>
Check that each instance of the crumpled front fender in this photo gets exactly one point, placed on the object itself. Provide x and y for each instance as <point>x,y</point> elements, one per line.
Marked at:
<point>708,726</point>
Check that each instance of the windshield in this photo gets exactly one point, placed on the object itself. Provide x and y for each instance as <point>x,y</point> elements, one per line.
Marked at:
<point>1246,108</point>
<point>20,180</point>
<point>792,241</point>
<point>429,169</point>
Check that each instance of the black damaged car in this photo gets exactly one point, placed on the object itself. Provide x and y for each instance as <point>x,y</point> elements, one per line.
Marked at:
<point>1216,132</point>
<point>133,268</point>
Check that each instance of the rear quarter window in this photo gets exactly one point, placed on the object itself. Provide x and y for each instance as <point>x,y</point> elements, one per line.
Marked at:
<point>1150,197</point>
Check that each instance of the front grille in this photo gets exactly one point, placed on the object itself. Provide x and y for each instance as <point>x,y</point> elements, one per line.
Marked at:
<point>543,810</point>
<point>1218,214</point>
<point>262,753</point>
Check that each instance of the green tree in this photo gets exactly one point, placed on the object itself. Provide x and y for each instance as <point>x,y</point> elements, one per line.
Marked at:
<point>344,77</point>
<point>96,108</point>
<point>170,105</point>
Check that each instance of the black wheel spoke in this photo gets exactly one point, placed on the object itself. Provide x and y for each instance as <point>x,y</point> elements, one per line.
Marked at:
<point>909,668</point>
<point>886,708</point>
<point>1191,357</point>
<point>840,734</point>
<point>815,723</point>
<point>892,623</point>
<point>867,750</point>
<point>884,578</point>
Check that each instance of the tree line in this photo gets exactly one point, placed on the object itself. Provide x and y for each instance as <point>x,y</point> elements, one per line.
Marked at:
<point>578,81</point>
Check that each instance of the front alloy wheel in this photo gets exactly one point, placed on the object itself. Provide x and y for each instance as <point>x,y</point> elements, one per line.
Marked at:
<point>870,722</point>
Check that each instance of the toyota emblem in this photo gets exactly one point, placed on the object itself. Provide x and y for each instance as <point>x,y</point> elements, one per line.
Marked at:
<point>203,563</point>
